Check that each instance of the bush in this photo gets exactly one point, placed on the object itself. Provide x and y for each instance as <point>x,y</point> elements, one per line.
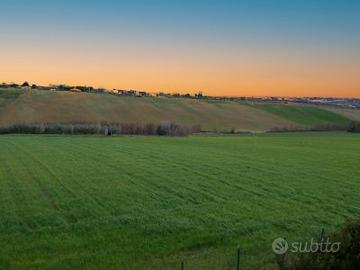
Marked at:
<point>320,127</point>
<point>347,258</point>
<point>287,129</point>
<point>328,127</point>
<point>354,127</point>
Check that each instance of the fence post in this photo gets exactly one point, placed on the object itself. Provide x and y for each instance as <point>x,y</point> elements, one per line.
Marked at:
<point>238,259</point>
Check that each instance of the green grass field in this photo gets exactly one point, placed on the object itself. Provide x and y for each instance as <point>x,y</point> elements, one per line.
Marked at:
<point>82,202</point>
<point>304,115</point>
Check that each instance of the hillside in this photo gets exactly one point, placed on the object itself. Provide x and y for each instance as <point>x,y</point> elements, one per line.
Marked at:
<point>305,115</point>
<point>18,106</point>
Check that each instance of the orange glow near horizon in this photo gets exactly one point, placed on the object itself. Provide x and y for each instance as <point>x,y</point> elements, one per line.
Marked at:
<point>218,74</point>
<point>222,48</point>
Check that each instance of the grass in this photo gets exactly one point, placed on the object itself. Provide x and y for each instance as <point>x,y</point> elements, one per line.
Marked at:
<point>62,107</point>
<point>304,115</point>
<point>7,96</point>
<point>10,94</point>
<point>70,202</point>
<point>352,114</point>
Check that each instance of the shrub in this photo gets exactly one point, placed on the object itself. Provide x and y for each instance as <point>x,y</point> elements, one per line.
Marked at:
<point>320,127</point>
<point>164,129</point>
<point>347,258</point>
<point>354,126</point>
<point>328,127</point>
<point>286,129</point>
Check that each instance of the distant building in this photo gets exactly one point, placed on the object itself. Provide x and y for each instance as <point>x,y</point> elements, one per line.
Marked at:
<point>131,93</point>
<point>75,90</point>
<point>142,94</point>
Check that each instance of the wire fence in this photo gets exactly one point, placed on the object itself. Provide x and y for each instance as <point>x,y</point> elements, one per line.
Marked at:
<point>235,260</point>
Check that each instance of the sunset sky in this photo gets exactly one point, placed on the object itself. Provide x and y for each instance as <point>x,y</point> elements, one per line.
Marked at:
<point>250,47</point>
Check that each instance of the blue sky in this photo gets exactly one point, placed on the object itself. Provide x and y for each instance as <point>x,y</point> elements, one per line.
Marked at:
<point>229,30</point>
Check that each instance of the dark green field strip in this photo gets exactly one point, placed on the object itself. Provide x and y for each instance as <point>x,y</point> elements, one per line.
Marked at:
<point>141,202</point>
<point>304,115</point>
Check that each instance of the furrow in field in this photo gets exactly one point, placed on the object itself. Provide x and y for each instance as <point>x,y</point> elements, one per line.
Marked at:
<point>306,200</point>
<point>160,198</point>
<point>270,171</point>
<point>283,185</point>
<point>186,166</point>
<point>9,206</point>
<point>71,181</point>
<point>45,168</point>
<point>45,191</point>
<point>44,182</point>
<point>103,179</point>
<point>206,177</point>
<point>162,181</point>
<point>102,161</point>
<point>152,187</point>
<point>24,195</point>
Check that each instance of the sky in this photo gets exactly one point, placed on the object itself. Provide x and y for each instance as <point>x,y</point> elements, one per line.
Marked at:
<point>228,47</point>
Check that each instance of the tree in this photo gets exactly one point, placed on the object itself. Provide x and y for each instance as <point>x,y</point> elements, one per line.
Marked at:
<point>199,95</point>
<point>25,84</point>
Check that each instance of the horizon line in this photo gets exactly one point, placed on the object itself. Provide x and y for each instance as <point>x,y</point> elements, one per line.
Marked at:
<point>183,91</point>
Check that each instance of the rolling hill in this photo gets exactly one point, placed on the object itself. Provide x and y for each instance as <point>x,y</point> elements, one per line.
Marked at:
<point>20,106</point>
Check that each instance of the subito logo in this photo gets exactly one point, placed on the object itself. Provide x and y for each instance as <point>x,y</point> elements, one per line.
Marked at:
<point>280,246</point>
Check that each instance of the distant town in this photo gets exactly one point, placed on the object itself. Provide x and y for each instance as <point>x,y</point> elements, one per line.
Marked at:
<point>353,103</point>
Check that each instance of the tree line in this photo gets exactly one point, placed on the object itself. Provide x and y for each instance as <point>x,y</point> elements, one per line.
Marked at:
<point>103,128</point>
